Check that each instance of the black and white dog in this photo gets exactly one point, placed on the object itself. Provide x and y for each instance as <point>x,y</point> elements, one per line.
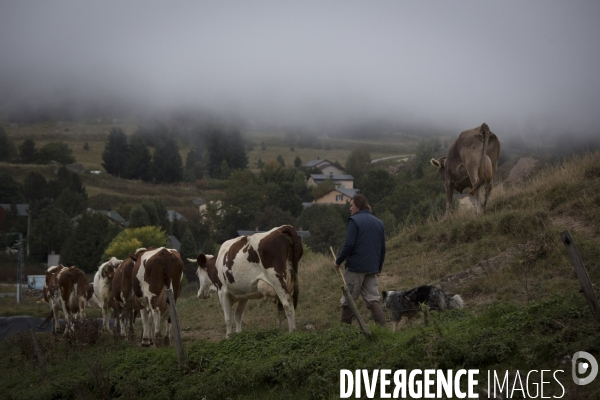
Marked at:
<point>407,303</point>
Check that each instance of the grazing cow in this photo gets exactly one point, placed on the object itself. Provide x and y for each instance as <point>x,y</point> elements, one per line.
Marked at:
<point>103,289</point>
<point>51,294</point>
<point>92,299</point>
<point>471,162</point>
<point>154,272</point>
<point>125,301</point>
<point>73,287</point>
<point>250,267</point>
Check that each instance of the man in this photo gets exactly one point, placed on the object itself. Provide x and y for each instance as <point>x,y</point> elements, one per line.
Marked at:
<point>364,253</point>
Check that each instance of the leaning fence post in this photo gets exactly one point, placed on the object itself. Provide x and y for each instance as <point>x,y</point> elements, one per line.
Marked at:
<point>175,326</point>
<point>582,274</point>
<point>38,353</point>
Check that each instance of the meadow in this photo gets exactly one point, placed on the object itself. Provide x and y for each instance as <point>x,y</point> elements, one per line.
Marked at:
<point>526,313</point>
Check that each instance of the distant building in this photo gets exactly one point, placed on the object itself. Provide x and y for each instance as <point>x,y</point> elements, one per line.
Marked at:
<point>174,243</point>
<point>22,209</point>
<point>113,216</point>
<point>340,181</point>
<point>335,196</point>
<point>174,214</point>
<point>327,167</point>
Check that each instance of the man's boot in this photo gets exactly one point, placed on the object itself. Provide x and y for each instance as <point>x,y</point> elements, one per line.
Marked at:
<point>378,314</point>
<point>347,315</point>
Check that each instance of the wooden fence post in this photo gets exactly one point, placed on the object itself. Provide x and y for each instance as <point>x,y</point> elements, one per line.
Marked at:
<point>38,353</point>
<point>582,274</point>
<point>175,326</point>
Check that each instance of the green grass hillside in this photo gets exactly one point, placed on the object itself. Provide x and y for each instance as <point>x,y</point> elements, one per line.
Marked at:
<point>523,311</point>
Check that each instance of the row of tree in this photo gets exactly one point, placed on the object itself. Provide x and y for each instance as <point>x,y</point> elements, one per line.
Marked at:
<point>27,152</point>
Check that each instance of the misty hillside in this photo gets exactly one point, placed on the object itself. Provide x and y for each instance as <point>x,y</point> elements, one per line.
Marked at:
<point>523,311</point>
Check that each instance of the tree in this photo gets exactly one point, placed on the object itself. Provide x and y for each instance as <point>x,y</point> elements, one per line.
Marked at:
<point>7,147</point>
<point>273,216</point>
<point>138,217</point>
<point>66,179</point>
<point>85,247</point>
<point>35,186</point>
<point>49,231</point>
<point>162,214</point>
<point>378,184</point>
<point>167,165</point>
<point>139,161</point>
<point>131,239</point>
<point>188,247</point>
<point>11,191</point>
<point>280,160</point>
<point>27,151</point>
<point>116,152</point>
<point>150,208</point>
<point>326,226</point>
<point>244,199</point>
<point>323,188</point>
<point>298,162</point>
<point>71,202</point>
<point>55,151</point>
<point>358,164</point>
<point>284,197</point>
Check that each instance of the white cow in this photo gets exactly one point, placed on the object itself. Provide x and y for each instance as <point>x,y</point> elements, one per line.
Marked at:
<point>253,267</point>
<point>103,289</point>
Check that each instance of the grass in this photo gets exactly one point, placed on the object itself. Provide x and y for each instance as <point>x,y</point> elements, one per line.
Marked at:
<point>529,314</point>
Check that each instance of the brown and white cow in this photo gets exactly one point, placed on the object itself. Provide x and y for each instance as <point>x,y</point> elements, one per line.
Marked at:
<point>253,267</point>
<point>51,294</point>
<point>103,289</point>
<point>471,162</point>
<point>154,272</point>
<point>73,287</point>
<point>122,289</point>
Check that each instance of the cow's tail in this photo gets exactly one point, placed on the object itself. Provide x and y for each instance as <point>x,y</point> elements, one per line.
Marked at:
<point>49,318</point>
<point>485,131</point>
<point>297,250</point>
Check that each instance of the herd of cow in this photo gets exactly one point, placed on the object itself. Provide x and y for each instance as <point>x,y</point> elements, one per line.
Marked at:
<point>260,266</point>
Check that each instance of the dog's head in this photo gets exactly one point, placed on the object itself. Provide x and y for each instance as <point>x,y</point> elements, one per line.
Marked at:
<point>386,296</point>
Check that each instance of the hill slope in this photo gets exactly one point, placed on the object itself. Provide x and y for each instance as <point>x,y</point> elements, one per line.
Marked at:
<point>523,312</point>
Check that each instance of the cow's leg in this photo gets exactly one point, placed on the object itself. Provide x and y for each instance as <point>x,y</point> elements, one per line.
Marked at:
<point>55,311</point>
<point>239,314</point>
<point>476,203</point>
<point>226,303</point>
<point>82,302</point>
<point>146,341</point>
<point>105,317</point>
<point>168,327</point>
<point>449,192</point>
<point>68,318</point>
<point>288,307</point>
<point>156,315</point>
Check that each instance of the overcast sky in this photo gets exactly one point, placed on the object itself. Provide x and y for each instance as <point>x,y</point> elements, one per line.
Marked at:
<point>520,66</point>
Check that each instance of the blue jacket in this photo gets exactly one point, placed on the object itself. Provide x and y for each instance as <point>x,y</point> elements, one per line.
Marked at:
<point>364,249</point>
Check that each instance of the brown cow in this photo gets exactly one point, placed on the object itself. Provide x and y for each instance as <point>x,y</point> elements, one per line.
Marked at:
<point>154,272</point>
<point>73,287</point>
<point>51,294</point>
<point>252,267</point>
<point>122,289</point>
<point>471,162</point>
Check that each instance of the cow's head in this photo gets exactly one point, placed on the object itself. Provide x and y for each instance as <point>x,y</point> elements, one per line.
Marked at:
<point>440,163</point>
<point>109,268</point>
<point>205,263</point>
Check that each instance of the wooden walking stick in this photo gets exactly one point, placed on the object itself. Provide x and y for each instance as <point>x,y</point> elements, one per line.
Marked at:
<point>350,301</point>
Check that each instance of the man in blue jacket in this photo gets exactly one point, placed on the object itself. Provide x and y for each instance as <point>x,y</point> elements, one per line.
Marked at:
<point>364,253</point>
